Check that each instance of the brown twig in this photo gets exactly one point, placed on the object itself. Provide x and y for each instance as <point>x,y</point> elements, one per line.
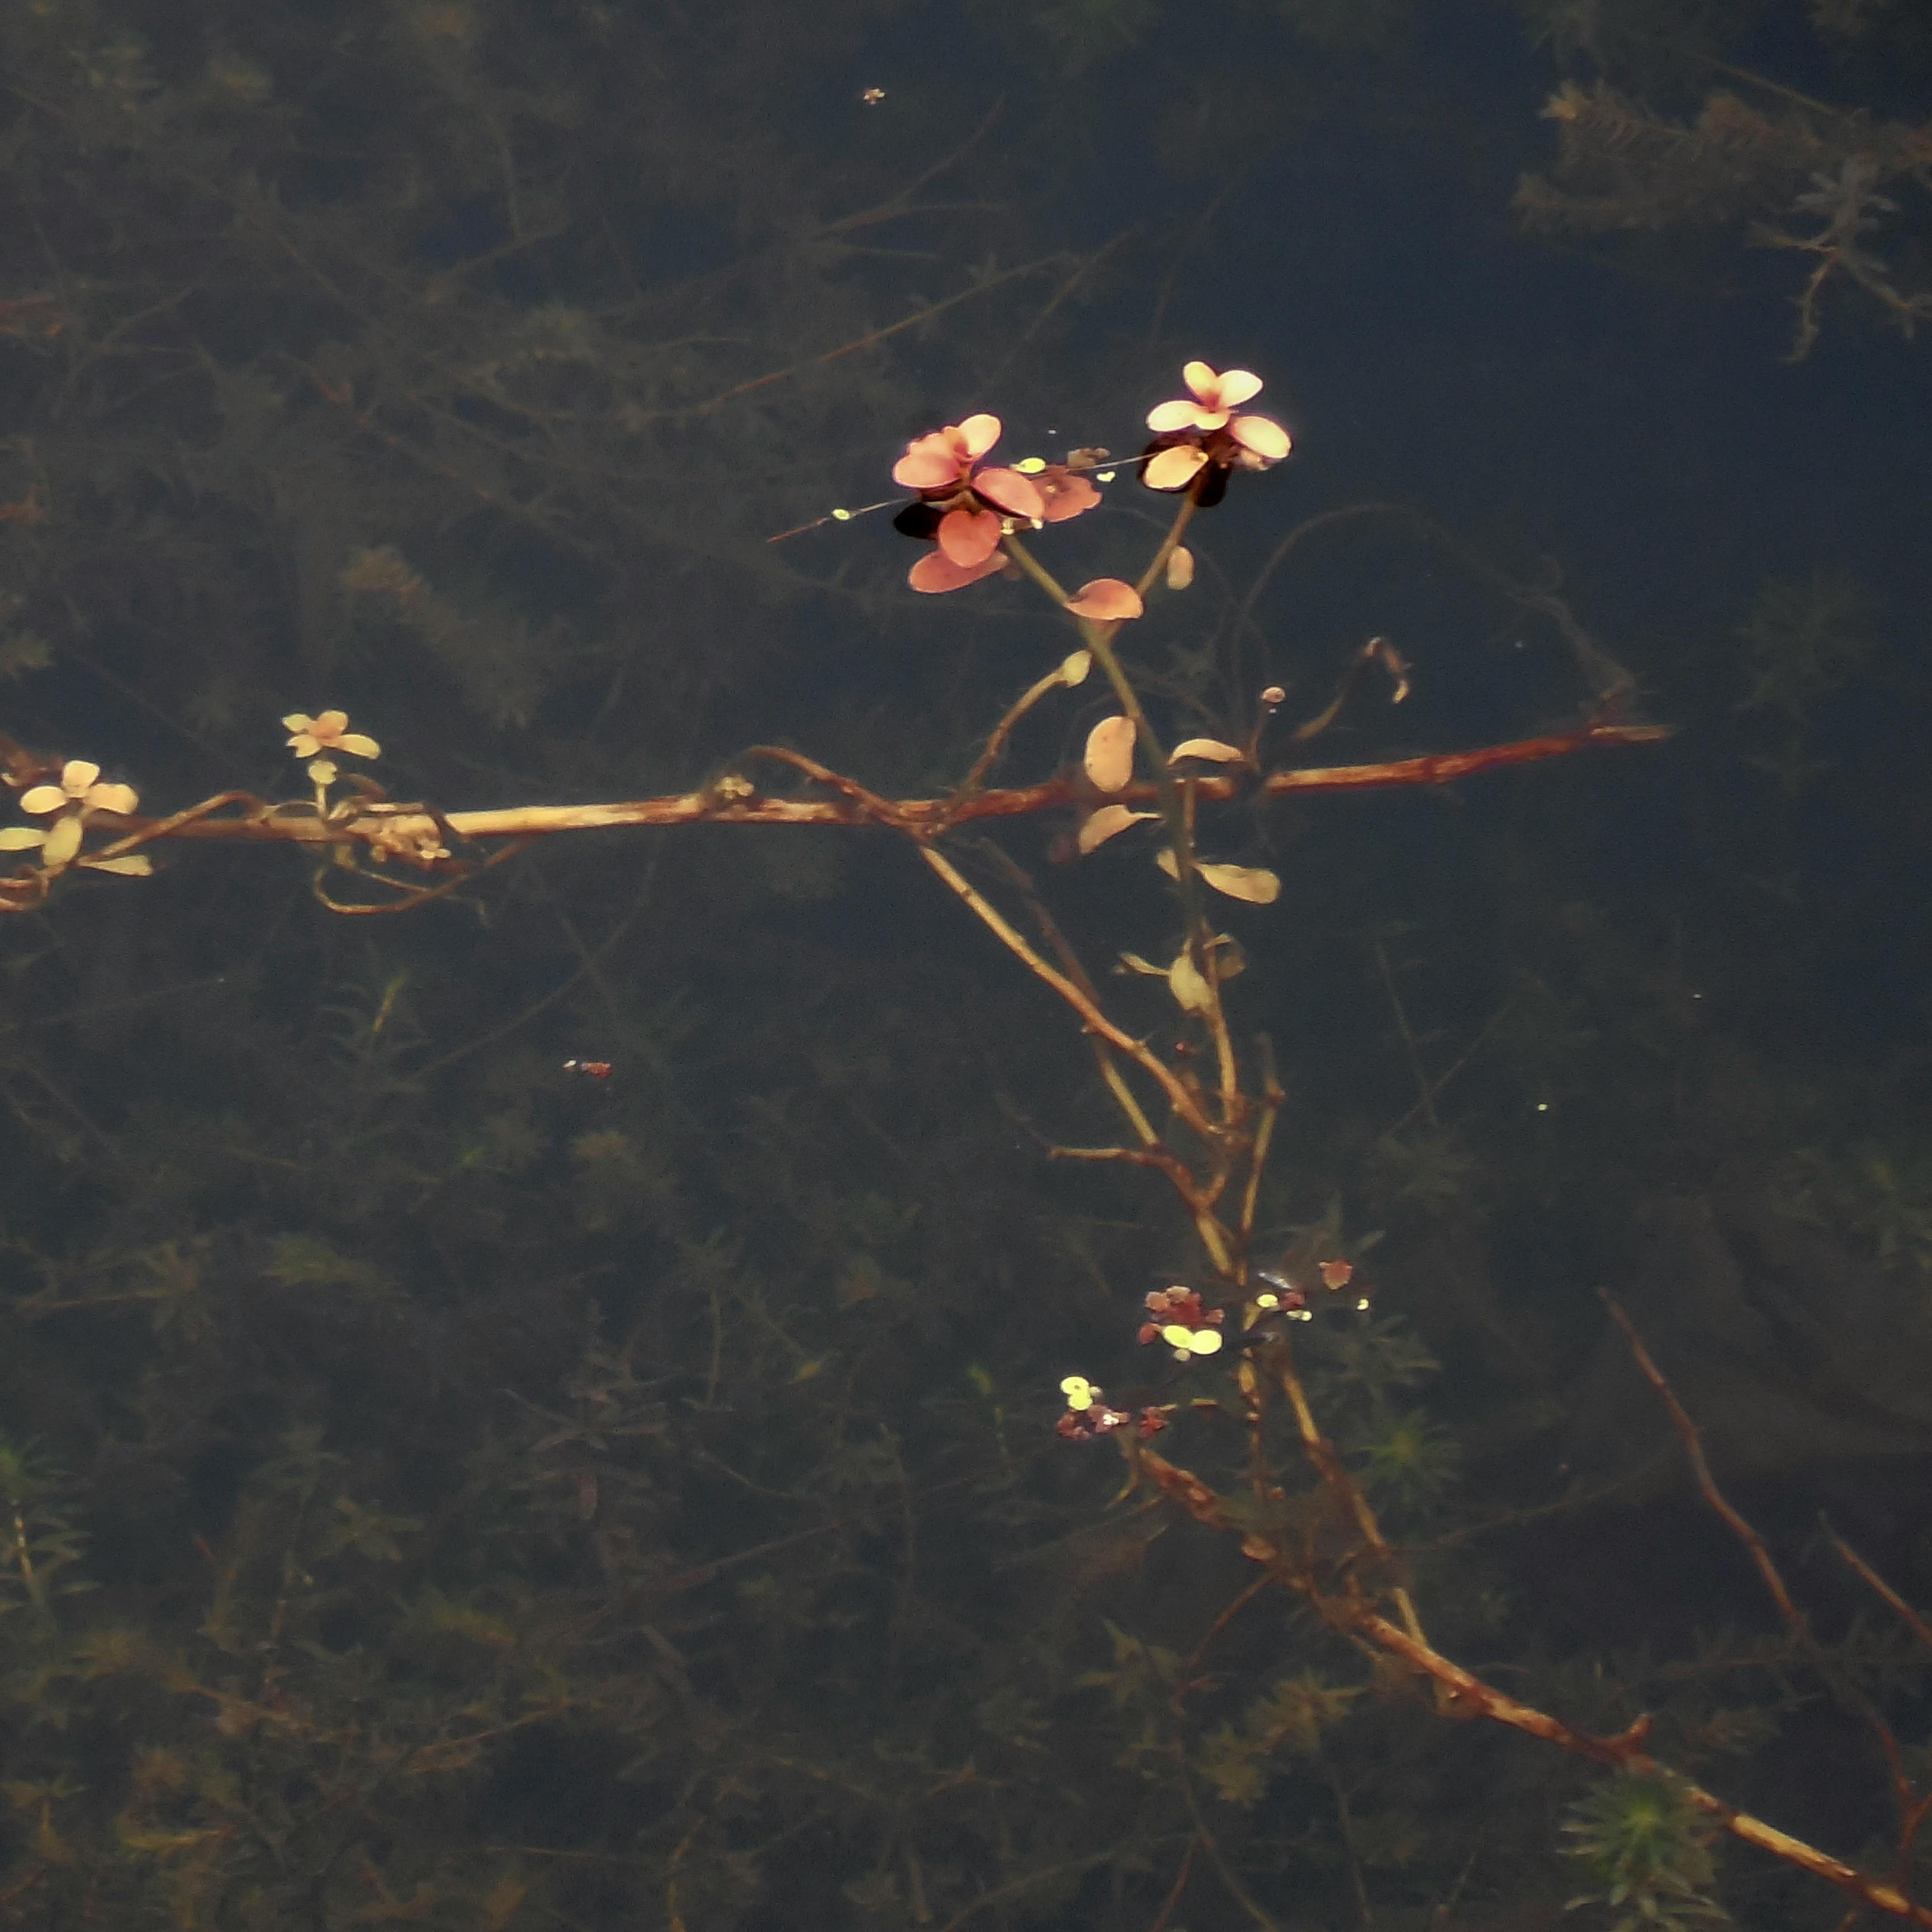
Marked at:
<point>1692,1439</point>
<point>1468,1695</point>
<point>711,807</point>
<point>1912,1807</point>
<point>1114,1080</point>
<point>1237,1890</point>
<point>1229,1613</point>
<point>1179,1885</point>
<point>1878,1587</point>
<point>1184,1102</point>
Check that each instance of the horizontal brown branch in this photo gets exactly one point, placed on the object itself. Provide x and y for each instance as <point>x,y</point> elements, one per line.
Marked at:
<point>718,805</point>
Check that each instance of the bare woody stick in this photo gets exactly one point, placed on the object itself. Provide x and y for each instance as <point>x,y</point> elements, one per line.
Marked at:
<point>742,804</point>
<point>1470,1696</point>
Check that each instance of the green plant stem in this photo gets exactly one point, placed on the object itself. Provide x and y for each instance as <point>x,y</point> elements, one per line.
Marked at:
<point>1174,799</point>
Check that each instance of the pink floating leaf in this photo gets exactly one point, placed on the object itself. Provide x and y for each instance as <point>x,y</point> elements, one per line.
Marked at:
<point>978,434</point>
<point>1067,495</point>
<point>1230,389</point>
<point>929,464</point>
<point>1167,417</point>
<point>1019,495</point>
<point>1212,399</point>
<point>1107,600</point>
<point>1174,468</point>
<point>947,456</point>
<point>1265,437</point>
<point>936,571</point>
<point>969,537</point>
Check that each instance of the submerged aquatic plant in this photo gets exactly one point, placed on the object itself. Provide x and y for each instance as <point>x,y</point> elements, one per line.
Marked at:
<point>41,1540</point>
<point>1647,1851</point>
<point>721,1395</point>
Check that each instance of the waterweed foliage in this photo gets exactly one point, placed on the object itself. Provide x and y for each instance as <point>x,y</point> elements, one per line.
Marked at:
<point>515,1501</point>
<point>670,1546</point>
<point>462,1439</point>
<point>41,1542</point>
<point>1647,1851</point>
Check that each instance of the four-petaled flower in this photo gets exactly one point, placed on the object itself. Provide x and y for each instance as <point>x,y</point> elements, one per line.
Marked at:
<point>1201,430</point>
<point>1181,1321</point>
<point>79,790</point>
<point>308,736</point>
<point>966,509</point>
<point>79,794</point>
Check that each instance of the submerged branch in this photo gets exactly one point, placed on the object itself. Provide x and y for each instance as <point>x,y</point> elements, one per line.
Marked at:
<point>725,804</point>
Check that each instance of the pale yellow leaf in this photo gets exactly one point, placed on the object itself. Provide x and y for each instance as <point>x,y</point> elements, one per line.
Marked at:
<point>130,864</point>
<point>1191,991</point>
<point>1255,883</point>
<point>1074,670</point>
<point>1134,963</point>
<point>1206,748</point>
<point>1228,956</point>
<point>1099,826</point>
<point>63,841</point>
<point>1109,761</point>
<point>1180,568</point>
